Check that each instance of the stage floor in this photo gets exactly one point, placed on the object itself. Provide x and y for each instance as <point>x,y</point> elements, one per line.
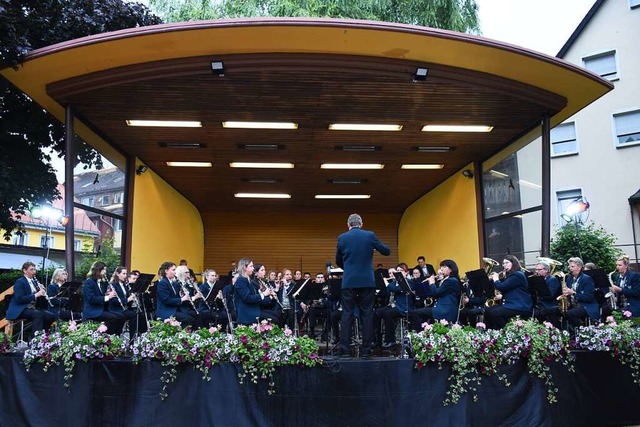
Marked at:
<point>355,392</point>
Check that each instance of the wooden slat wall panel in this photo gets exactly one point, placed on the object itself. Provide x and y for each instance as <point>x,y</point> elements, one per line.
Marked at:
<point>287,240</point>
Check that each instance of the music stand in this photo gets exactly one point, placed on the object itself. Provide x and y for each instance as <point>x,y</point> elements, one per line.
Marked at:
<point>538,288</point>
<point>599,277</point>
<point>479,282</point>
<point>406,289</point>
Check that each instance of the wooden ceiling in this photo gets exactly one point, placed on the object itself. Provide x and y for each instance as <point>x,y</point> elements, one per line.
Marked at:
<point>312,90</point>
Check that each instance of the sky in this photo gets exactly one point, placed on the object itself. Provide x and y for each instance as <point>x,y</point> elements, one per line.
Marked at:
<point>540,25</point>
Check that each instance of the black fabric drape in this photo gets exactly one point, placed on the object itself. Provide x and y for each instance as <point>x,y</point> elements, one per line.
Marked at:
<point>346,393</point>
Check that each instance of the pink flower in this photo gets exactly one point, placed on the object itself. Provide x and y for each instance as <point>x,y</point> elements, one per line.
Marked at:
<point>426,326</point>
<point>287,331</point>
<point>548,324</point>
<point>102,328</point>
<point>610,319</point>
<point>73,326</point>
<point>213,330</point>
<point>443,322</point>
<point>456,326</point>
<point>626,313</point>
<point>519,323</point>
<point>481,325</point>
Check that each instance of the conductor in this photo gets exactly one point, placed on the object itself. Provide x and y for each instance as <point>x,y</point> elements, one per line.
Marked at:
<point>354,255</point>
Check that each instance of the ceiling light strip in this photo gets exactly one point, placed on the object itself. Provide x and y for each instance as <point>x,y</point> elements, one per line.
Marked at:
<point>164,123</point>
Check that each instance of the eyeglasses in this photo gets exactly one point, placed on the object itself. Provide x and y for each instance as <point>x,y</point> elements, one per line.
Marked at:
<point>539,269</point>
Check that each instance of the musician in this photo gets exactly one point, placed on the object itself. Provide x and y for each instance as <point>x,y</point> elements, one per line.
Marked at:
<point>580,289</point>
<point>192,275</point>
<point>447,295</point>
<point>211,303</point>
<point>270,309</point>
<point>297,277</point>
<point>473,306</point>
<point>96,298</point>
<point>627,286</point>
<point>121,304</point>
<point>549,310</point>
<point>248,298</point>
<point>354,254</point>
<point>289,309</point>
<point>415,279</point>
<point>170,303</point>
<point>426,270</point>
<point>514,293</point>
<point>23,303</point>
<point>272,279</point>
<point>61,309</point>
<point>402,305</point>
<point>228,295</point>
<point>318,309</point>
<point>187,287</point>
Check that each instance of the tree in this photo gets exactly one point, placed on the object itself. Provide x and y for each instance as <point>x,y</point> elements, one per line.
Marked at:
<point>596,245</point>
<point>106,253</point>
<point>26,175</point>
<point>457,15</point>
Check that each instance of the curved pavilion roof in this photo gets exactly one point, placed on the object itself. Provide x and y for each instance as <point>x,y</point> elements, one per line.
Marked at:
<point>312,72</point>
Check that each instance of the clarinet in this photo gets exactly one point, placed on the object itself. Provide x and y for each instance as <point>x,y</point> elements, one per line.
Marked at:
<point>224,304</point>
<point>185,291</point>
<point>111,288</point>
<point>41,287</point>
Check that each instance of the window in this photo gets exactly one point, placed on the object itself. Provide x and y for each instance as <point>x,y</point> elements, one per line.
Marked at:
<point>116,198</point>
<point>117,225</point>
<point>564,200</point>
<point>87,201</point>
<point>603,64</point>
<point>20,240</point>
<point>77,245</point>
<point>43,241</point>
<point>563,140</point>
<point>627,128</point>
<point>104,201</point>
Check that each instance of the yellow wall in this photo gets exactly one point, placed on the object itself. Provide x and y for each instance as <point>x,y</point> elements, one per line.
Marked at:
<point>34,235</point>
<point>443,225</point>
<point>165,226</point>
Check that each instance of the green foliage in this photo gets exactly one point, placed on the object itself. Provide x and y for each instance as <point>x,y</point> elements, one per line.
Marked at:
<point>26,176</point>
<point>457,15</point>
<point>107,254</point>
<point>596,245</point>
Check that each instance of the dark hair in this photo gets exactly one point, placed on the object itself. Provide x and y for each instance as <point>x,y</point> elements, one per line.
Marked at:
<point>421,257</point>
<point>27,264</point>
<point>165,266</point>
<point>96,268</point>
<point>118,270</point>
<point>452,266</point>
<point>403,266</point>
<point>515,263</point>
<point>134,272</point>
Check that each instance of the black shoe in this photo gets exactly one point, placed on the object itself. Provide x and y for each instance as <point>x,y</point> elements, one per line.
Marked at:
<point>388,344</point>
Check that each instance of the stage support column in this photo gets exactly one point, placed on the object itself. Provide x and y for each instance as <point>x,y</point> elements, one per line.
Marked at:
<point>546,187</point>
<point>69,158</point>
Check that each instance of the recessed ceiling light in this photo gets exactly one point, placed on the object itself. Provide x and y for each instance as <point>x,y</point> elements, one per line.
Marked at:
<point>359,147</point>
<point>434,149</point>
<point>423,166</point>
<point>190,164</point>
<point>343,196</point>
<point>456,128</point>
<point>347,181</point>
<point>365,126</point>
<point>164,123</point>
<point>351,166</point>
<point>258,165</point>
<point>262,180</point>
<point>261,147</point>
<point>182,145</point>
<point>262,196</point>
<point>259,125</point>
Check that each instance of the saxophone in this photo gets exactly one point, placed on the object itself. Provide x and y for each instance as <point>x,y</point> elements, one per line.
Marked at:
<point>563,301</point>
<point>611,296</point>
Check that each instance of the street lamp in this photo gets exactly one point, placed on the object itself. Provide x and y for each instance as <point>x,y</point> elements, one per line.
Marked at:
<point>573,214</point>
<point>48,213</point>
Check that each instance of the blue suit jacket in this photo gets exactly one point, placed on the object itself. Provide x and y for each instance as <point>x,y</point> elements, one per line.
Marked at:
<point>58,302</point>
<point>168,299</point>
<point>515,292</point>
<point>22,297</point>
<point>354,255</point>
<point>114,306</point>
<point>403,303</point>
<point>247,301</point>
<point>554,290</point>
<point>631,292</point>
<point>93,299</point>
<point>585,294</point>
<point>447,298</point>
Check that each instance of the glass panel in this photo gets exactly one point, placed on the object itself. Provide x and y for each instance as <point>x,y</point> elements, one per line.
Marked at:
<point>515,183</point>
<point>519,235</point>
<point>564,200</point>
<point>627,127</point>
<point>604,64</point>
